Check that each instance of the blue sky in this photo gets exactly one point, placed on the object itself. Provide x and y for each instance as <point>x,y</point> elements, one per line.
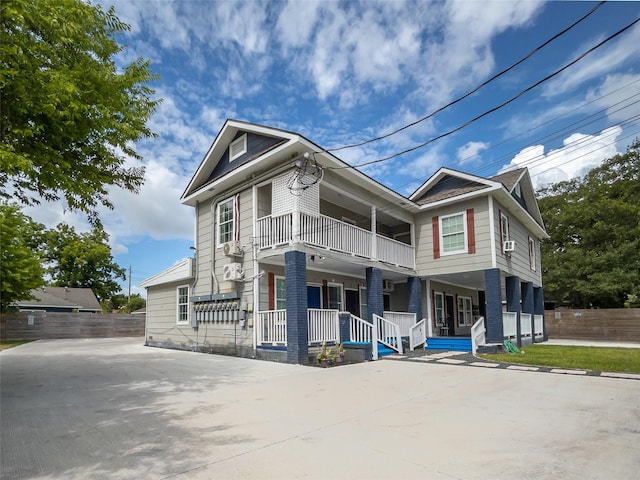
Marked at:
<point>344,72</point>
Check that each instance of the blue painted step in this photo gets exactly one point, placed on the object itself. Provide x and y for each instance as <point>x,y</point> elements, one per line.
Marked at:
<point>383,350</point>
<point>455,344</point>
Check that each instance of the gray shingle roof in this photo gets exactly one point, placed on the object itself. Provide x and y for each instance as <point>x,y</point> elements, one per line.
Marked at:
<point>81,298</point>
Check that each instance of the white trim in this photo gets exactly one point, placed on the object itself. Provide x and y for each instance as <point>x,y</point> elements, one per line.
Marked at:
<point>465,248</point>
<point>492,236</point>
<point>179,272</point>
<point>243,149</point>
<point>435,310</point>
<point>443,172</point>
<point>468,321</point>
<point>340,286</point>
<point>362,289</point>
<point>231,199</point>
<point>178,304</point>
<point>532,253</point>
<point>275,292</point>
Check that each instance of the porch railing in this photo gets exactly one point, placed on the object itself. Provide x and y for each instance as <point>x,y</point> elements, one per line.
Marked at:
<point>388,333</point>
<point>417,334</point>
<point>362,331</point>
<point>327,232</point>
<point>271,327</point>
<point>538,328</point>
<point>324,326</point>
<point>509,324</point>
<point>525,324</point>
<point>478,337</point>
<point>404,320</point>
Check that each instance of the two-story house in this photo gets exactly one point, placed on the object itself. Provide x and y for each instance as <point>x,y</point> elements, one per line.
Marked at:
<point>288,236</point>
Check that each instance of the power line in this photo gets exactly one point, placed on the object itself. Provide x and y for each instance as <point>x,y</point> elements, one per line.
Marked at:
<point>497,107</point>
<point>474,90</point>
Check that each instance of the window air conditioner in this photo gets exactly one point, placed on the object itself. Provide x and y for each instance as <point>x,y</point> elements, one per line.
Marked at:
<point>509,246</point>
<point>232,249</point>
<point>232,272</point>
<point>387,285</point>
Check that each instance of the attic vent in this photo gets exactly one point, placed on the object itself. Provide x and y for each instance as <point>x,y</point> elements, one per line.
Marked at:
<point>238,147</point>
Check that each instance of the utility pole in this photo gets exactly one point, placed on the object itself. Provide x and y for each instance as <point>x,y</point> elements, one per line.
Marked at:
<point>129,298</point>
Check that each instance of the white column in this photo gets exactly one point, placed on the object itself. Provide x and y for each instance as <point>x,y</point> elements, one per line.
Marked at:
<point>374,236</point>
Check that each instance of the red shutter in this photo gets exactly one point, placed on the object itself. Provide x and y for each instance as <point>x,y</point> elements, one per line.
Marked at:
<point>272,291</point>
<point>471,232</point>
<point>435,227</point>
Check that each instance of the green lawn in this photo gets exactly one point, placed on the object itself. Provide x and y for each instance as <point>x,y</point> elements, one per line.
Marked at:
<point>604,359</point>
<point>4,344</point>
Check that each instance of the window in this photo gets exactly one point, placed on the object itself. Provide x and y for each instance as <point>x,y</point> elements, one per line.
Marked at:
<point>505,236</point>
<point>438,305</point>
<point>363,303</point>
<point>465,311</point>
<point>183,304</point>
<point>280,294</point>
<point>532,254</point>
<point>238,147</point>
<point>453,234</point>
<point>226,221</point>
<point>335,296</point>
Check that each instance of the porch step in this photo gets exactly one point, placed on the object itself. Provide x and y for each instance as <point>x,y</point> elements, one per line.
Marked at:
<point>383,350</point>
<point>455,344</point>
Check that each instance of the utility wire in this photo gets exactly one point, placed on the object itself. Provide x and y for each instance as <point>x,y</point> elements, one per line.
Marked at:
<point>497,107</point>
<point>471,92</point>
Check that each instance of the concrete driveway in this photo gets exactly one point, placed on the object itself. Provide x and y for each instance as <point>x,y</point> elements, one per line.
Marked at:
<point>90,409</point>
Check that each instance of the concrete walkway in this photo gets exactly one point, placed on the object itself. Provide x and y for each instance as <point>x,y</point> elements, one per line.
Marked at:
<point>114,409</point>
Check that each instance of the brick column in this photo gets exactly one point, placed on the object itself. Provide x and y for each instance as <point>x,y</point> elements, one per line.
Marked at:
<point>295,270</point>
<point>526,291</point>
<point>513,303</point>
<point>414,285</point>
<point>493,297</point>
<point>538,308</point>
<point>375,300</point>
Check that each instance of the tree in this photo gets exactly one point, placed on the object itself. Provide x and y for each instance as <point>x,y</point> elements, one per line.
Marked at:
<point>593,255</point>
<point>82,260</point>
<point>120,303</point>
<point>20,267</point>
<point>70,113</point>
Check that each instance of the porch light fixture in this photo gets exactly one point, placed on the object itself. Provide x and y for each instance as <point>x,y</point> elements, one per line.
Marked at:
<point>316,258</point>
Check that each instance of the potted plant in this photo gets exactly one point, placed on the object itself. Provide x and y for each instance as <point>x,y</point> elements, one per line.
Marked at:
<point>340,353</point>
<point>323,355</point>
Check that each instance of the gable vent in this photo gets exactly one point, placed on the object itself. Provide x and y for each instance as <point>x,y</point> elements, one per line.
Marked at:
<point>238,147</point>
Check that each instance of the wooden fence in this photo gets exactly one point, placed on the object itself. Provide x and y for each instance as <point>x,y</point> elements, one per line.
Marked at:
<point>611,324</point>
<point>49,325</point>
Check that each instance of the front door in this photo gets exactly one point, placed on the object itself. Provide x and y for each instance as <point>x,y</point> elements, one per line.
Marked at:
<point>314,296</point>
<point>352,302</point>
<point>450,314</point>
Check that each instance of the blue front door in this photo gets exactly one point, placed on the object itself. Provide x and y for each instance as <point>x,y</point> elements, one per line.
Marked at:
<point>314,296</point>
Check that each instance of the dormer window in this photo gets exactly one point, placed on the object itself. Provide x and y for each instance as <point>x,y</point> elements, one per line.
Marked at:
<point>238,147</point>
<point>517,191</point>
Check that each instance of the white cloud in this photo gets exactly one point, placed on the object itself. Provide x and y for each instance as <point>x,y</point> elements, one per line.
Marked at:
<point>597,64</point>
<point>579,154</point>
<point>470,151</point>
<point>619,94</point>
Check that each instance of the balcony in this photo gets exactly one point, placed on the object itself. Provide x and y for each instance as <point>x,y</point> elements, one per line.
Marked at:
<point>332,234</point>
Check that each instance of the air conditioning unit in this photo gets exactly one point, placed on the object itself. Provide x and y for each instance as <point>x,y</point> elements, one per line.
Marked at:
<point>509,246</point>
<point>387,285</point>
<point>232,249</point>
<point>233,272</point>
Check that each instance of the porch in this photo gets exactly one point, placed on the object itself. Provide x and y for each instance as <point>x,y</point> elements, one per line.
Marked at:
<point>327,326</point>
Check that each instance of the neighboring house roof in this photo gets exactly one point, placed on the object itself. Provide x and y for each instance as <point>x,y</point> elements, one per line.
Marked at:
<point>62,297</point>
<point>140,311</point>
<point>180,271</point>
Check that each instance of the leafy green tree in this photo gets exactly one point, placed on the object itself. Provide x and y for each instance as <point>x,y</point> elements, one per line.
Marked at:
<point>70,113</point>
<point>82,260</point>
<point>20,260</point>
<point>136,302</point>
<point>593,255</point>
<point>120,303</point>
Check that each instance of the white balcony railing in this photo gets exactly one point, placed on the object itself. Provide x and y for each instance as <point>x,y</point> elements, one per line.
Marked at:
<point>324,326</point>
<point>327,232</point>
<point>538,322</point>
<point>525,324</point>
<point>417,334</point>
<point>509,324</point>
<point>271,327</point>
<point>404,320</point>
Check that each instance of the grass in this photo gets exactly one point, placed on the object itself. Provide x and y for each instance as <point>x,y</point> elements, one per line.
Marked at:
<point>5,344</point>
<point>604,359</point>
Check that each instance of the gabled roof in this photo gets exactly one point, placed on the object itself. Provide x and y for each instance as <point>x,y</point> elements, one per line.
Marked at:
<point>178,272</point>
<point>216,164</point>
<point>447,183</point>
<point>62,297</point>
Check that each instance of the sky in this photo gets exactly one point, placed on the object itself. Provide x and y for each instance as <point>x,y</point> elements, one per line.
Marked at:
<point>341,73</point>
